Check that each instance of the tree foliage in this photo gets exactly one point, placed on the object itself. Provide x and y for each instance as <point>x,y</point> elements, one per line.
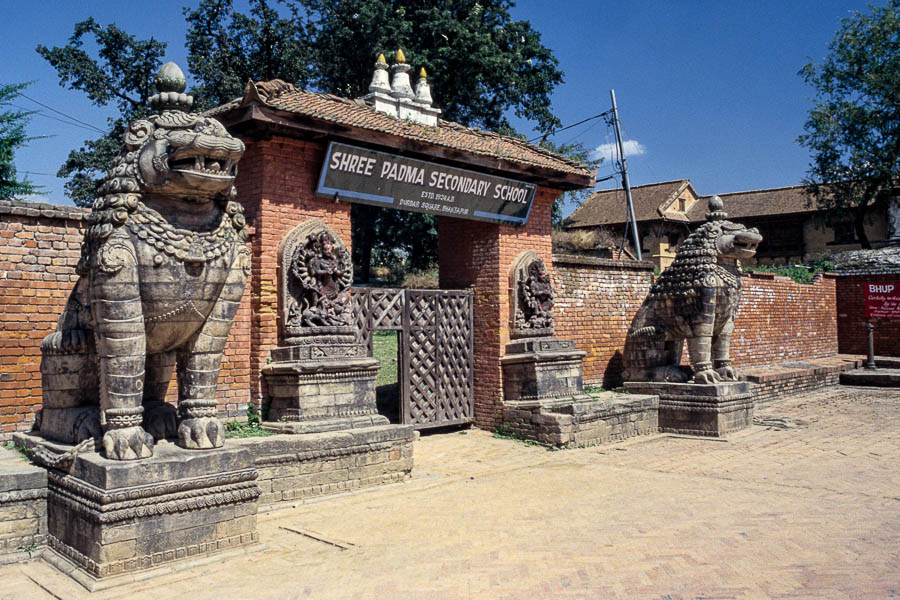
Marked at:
<point>12,137</point>
<point>121,74</point>
<point>226,48</point>
<point>482,65</point>
<point>853,129</point>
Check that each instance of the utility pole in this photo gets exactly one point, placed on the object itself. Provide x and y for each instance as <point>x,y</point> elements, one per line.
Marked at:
<point>631,218</point>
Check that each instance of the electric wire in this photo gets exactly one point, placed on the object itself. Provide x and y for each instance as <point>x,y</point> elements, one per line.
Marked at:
<point>40,113</point>
<point>544,136</point>
<point>61,113</point>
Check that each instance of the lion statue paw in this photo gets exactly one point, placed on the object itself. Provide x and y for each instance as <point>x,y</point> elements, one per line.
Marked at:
<point>707,376</point>
<point>201,433</point>
<point>128,443</point>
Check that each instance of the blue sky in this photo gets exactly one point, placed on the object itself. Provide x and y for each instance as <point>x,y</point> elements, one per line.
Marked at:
<point>707,91</point>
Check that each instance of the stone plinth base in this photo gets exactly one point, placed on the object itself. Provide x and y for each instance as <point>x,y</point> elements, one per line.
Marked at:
<point>778,380</point>
<point>694,409</point>
<point>582,420</point>
<point>879,377</point>
<point>321,388</point>
<point>540,369</point>
<point>23,508</point>
<point>294,467</point>
<point>111,518</point>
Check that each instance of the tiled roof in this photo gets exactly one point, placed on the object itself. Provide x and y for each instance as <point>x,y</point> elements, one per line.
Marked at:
<point>608,207</point>
<point>281,96</point>
<point>760,203</point>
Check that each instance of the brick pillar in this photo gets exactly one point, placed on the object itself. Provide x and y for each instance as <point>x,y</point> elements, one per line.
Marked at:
<point>479,254</point>
<point>276,184</point>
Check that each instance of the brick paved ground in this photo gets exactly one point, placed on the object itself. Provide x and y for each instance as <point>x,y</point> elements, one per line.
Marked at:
<point>806,504</point>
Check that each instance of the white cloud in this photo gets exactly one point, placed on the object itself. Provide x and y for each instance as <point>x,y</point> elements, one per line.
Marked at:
<point>608,151</point>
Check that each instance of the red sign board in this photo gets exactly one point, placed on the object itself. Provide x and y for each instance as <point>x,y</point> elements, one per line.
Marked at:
<point>882,300</point>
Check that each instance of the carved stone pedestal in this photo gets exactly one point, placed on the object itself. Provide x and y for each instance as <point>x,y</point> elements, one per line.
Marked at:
<point>700,409</point>
<point>321,388</point>
<point>112,519</point>
<point>541,368</point>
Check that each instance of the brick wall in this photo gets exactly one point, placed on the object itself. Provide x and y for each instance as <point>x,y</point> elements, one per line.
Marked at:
<point>276,185</point>
<point>783,320</point>
<point>39,248</point>
<point>851,312</point>
<point>779,319</point>
<point>596,300</point>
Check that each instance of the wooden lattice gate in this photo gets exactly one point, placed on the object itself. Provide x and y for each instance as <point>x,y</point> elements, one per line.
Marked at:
<point>435,326</point>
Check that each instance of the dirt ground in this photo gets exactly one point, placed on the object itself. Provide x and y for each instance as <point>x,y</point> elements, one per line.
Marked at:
<point>805,504</point>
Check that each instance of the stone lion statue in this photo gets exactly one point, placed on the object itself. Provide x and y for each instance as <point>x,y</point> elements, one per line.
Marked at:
<point>695,299</point>
<point>162,270</point>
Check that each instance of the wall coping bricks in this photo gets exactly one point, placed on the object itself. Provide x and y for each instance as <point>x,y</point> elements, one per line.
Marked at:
<point>24,208</point>
<point>577,259</point>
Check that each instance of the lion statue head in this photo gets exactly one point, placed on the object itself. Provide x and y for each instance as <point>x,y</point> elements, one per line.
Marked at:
<point>716,242</point>
<point>173,154</point>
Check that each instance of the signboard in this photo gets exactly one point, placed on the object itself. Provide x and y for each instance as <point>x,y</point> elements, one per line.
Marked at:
<point>882,300</point>
<point>382,179</point>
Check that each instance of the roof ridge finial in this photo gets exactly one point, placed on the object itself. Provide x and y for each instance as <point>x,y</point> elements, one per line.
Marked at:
<point>400,85</point>
<point>423,90</point>
<point>380,81</point>
<point>170,84</point>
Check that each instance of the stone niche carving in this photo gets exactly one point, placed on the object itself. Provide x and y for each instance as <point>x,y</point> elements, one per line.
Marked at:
<point>531,297</point>
<point>316,277</point>
<point>322,379</point>
<point>537,367</point>
<point>163,266</point>
<point>695,299</point>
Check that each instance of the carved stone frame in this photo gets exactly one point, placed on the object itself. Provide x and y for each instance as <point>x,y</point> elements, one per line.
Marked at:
<point>518,272</point>
<point>306,334</point>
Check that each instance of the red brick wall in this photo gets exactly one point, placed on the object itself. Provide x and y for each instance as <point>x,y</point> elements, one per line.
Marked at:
<point>276,185</point>
<point>852,317</point>
<point>779,320</point>
<point>480,255</point>
<point>595,302</point>
<point>39,248</point>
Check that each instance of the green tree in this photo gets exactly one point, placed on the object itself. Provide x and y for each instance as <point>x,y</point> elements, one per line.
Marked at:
<point>482,65</point>
<point>121,74</point>
<point>853,129</point>
<point>226,48</point>
<point>12,137</point>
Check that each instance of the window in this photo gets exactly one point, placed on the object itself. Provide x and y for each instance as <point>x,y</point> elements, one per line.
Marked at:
<point>844,233</point>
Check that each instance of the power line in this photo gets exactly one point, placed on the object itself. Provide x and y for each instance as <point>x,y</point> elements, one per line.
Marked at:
<point>580,134</point>
<point>40,113</point>
<point>555,131</point>
<point>62,113</point>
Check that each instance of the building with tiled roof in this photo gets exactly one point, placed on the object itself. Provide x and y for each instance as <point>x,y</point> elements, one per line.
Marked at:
<point>279,105</point>
<point>794,229</point>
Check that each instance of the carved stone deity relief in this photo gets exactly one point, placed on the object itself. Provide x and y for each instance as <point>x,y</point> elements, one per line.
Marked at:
<point>316,277</point>
<point>531,297</point>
